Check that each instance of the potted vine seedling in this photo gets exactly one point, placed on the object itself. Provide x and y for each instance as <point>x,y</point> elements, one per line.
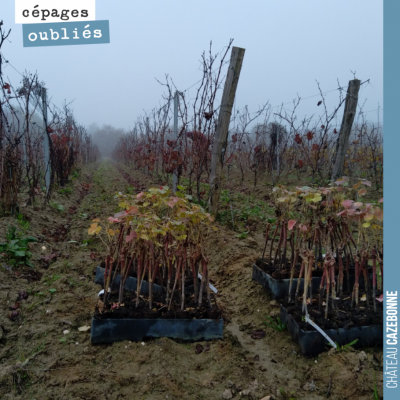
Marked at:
<point>346,230</point>
<point>305,209</point>
<point>158,237</point>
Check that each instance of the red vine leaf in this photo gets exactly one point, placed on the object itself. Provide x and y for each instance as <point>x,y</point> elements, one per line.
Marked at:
<point>315,147</point>
<point>297,139</point>
<point>291,224</point>
<point>131,236</point>
<point>379,214</point>
<point>347,203</point>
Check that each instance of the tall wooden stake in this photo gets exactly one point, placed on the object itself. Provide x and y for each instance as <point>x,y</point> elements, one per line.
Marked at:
<point>221,134</point>
<point>147,135</point>
<point>46,145</point>
<point>342,144</point>
<point>175,177</point>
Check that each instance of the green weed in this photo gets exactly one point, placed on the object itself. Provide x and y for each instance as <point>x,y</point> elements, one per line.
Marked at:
<point>57,206</point>
<point>345,347</point>
<point>75,174</point>
<point>375,395</point>
<point>65,191</point>
<point>16,251</point>
<point>242,207</point>
<point>242,235</point>
<point>23,223</point>
<point>49,280</point>
<point>275,324</point>
<point>286,395</point>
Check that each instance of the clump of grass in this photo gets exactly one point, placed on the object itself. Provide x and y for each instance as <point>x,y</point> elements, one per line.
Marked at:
<point>65,191</point>
<point>275,324</point>
<point>57,206</point>
<point>23,223</point>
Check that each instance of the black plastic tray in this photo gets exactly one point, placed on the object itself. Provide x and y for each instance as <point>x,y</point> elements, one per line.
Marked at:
<point>130,283</point>
<point>279,288</point>
<point>312,342</point>
<point>116,330</point>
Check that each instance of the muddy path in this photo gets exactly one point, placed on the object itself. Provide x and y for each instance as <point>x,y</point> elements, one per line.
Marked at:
<point>43,355</point>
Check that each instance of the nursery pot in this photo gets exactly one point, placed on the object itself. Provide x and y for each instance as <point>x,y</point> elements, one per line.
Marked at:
<point>312,342</point>
<point>279,288</point>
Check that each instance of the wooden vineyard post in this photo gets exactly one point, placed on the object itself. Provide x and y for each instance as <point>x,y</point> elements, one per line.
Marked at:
<point>342,144</point>
<point>147,135</point>
<point>175,177</point>
<point>46,144</point>
<point>135,136</point>
<point>221,134</point>
<point>1,138</point>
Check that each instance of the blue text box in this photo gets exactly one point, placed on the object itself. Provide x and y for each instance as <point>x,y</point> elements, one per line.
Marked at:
<point>66,33</point>
<point>391,145</point>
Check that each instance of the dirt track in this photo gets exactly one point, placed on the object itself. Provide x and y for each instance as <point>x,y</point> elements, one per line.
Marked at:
<point>39,362</point>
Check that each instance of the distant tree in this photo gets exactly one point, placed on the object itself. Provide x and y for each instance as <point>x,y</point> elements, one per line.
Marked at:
<point>105,137</point>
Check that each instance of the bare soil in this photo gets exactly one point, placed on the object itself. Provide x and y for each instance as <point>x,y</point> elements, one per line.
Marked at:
<point>40,360</point>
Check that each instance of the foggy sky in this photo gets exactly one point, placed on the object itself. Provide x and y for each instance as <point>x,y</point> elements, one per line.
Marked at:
<point>289,45</point>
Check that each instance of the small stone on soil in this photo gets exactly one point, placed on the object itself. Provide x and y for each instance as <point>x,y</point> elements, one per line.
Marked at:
<point>274,303</point>
<point>258,334</point>
<point>251,242</point>
<point>274,313</point>
<point>227,395</point>
<point>362,356</point>
<point>199,349</point>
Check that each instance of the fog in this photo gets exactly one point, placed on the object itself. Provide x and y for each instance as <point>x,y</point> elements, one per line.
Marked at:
<point>105,137</point>
<point>290,46</point>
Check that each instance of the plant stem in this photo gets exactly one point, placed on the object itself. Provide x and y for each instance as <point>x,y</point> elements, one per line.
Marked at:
<point>283,263</point>
<point>374,279</point>
<point>266,240</point>
<point>272,243</point>
<point>279,244</point>
<point>296,296</point>
<point>294,262</point>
